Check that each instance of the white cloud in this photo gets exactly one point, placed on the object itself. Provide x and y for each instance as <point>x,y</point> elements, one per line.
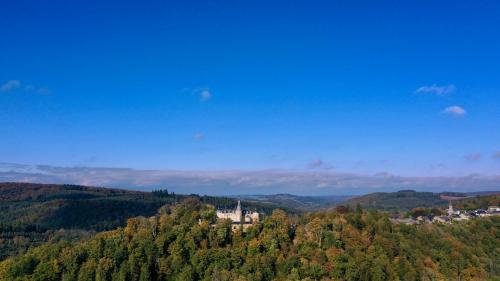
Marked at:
<point>437,90</point>
<point>242,182</point>
<point>455,110</point>
<point>39,90</point>
<point>319,164</point>
<point>205,95</point>
<point>10,85</point>
<point>473,157</point>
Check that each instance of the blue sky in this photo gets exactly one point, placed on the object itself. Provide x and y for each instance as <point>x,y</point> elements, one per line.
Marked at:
<point>404,87</point>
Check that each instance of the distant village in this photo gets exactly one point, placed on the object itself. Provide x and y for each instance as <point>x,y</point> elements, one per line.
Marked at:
<point>452,216</point>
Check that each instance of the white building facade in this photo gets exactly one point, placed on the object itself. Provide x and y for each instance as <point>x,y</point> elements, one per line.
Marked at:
<point>239,217</point>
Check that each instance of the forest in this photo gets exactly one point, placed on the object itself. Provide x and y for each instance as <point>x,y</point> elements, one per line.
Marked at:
<point>184,241</point>
<point>31,214</point>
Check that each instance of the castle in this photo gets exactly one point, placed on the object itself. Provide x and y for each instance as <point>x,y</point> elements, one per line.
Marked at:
<point>238,217</point>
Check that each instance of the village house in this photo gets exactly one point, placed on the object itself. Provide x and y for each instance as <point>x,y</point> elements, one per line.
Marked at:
<point>441,219</point>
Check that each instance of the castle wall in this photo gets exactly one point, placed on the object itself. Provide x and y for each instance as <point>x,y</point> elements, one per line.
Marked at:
<point>237,215</point>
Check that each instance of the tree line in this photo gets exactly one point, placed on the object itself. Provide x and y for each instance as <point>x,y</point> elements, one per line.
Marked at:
<point>186,242</point>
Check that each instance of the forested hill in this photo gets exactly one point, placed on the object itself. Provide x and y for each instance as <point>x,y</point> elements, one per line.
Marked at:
<point>390,201</point>
<point>307,203</point>
<point>181,243</point>
<point>25,207</point>
<point>34,213</point>
<point>31,214</point>
<point>409,199</point>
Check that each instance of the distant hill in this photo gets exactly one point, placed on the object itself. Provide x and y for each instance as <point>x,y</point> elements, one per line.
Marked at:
<point>404,199</point>
<point>478,201</point>
<point>408,199</point>
<point>186,242</point>
<point>24,207</point>
<point>31,214</point>
<point>306,203</point>
<point>34,213</point>
<point>400,200</point>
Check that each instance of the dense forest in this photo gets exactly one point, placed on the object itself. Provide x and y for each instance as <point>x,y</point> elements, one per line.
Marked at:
<point>393,201</point>
<point>31,214</point>
<point>296,202</point>
<point>185,242</point>
<point>477,202</point>
<point>408,199</point>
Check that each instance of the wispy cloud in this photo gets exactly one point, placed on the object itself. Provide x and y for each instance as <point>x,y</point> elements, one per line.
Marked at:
<point>205,95</point>
<point>243,182</point>
<point>473,157</point>
<point>436,90</point>
<point>319,165</point>
<point>38,90</point>
<point>455,110</point>
<point>10,86</point>
<point>199,136</point>
<point>438,166</point>
<point>496,155</point>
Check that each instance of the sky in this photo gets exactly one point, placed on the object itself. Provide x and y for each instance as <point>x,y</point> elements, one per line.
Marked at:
<point>407,88</point>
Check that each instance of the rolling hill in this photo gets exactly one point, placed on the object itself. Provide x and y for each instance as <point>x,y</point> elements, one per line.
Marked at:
<point>31,214</point>
<point>389,201</point>
<point>409,199</point>
<point>305,203</point>
<point>186,242</point>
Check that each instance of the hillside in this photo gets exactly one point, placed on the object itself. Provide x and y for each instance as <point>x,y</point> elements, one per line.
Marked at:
<point>389,201</point>
<point>405,199</point>
<point>31,214</point>
<point>409,199</point>
<point>182,243</point>
<point>478,202</point>
<point>306,203</point>
<point>35,206</point>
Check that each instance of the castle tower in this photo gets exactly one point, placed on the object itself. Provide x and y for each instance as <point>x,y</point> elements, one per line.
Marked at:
<point>239,213</point>
<point>450,210</point>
